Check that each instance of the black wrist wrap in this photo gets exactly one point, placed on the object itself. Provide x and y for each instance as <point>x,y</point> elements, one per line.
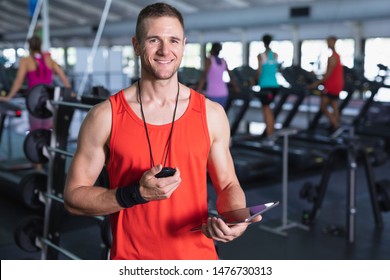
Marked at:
<point>129,196</point>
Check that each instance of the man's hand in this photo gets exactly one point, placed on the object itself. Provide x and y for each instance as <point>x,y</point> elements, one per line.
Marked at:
<point>217,229</point>
<point>152,188</point>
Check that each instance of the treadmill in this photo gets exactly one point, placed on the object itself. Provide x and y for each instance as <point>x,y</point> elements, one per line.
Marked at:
<point>249,165</point>
<point>302,155</point>
<point>377,127</point>
<point>11,110</point>
<point>373,145</point>
<point>13,171</point>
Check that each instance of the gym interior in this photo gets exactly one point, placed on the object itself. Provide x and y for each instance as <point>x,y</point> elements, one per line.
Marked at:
<point>333,191</point>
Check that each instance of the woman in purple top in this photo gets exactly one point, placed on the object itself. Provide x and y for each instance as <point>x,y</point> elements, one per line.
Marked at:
<point>217,89</point>
<point>37,68</point>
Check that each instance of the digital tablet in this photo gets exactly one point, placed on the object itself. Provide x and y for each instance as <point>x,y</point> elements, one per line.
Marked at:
<point>243,215</point>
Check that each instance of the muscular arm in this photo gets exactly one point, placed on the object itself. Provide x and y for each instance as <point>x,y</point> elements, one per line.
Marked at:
<point>81,197</point>
<point>220,163</point>
<point>230,195</point>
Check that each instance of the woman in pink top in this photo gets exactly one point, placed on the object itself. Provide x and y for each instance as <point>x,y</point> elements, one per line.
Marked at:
<point>217,89</point>
<point>37,68</point>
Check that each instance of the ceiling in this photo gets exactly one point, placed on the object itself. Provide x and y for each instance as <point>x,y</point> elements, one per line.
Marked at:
<point>75,22</point>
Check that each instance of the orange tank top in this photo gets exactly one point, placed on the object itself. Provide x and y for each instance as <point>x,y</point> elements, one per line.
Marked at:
<point>161,229</point>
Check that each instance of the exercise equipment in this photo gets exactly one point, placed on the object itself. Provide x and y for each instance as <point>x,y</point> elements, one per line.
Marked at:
<point>19,186</point>
<point>302,155</point>
<point>27,232</point>
<point>28,235</point>
<point>13,170</point>
<point>31,186</point>
<point>244,76</point>
<point>374,127</point>
<point>300,79</point>
<point>383,191</point>
<point>34,144</point>
<point>11,110</point>
<point>286,222</point>
<point>189,76</point>
<point>44,146</point>
<point>249,164</point>
<point>353,151</point>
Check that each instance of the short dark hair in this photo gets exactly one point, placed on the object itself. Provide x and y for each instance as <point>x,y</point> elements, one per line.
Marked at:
<point>156,10</point>
<point>267,39</point>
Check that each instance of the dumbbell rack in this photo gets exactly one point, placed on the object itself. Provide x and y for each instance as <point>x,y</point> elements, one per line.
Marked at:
<point>54,208</point>
<point>36,233</point>
<point>42,146</point>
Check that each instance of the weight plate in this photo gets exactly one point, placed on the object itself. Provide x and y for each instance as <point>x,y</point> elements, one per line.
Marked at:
<point>27,231</point>
<point>31,185</point>
<point>36,101</point>
<point>34,143</point>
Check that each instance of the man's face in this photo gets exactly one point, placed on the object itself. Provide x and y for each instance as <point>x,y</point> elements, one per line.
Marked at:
<point>161,47</point>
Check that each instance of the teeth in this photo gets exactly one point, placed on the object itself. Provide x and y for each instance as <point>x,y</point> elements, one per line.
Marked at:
<point>163,61</point>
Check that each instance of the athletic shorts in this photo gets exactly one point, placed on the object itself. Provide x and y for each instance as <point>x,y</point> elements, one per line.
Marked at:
<point>331,96</point>
<point>267,95</point>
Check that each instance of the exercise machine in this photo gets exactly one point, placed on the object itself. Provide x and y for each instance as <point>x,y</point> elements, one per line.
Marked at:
<point>43,233</point>
<point>379,191</point>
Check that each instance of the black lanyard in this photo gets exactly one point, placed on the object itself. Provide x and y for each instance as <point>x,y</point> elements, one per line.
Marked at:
<point>168,144</point>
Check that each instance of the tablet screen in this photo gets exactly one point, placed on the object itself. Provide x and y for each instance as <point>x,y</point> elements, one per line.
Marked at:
<point>243,215</point>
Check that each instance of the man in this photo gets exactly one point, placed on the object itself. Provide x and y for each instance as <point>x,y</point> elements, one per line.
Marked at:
<point>155,123</point>
<point>333,81</point>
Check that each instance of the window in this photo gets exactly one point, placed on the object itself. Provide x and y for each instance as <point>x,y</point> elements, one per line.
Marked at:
<point>58,55</point>
<point>284,49</point>
<point>315,54</point>
<point>376,52</point>
<point>192,56</point>
<point>232,52</point>
<point>9,57</point>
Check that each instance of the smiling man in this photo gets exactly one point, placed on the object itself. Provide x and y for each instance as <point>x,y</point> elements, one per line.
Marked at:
<point>158,139</point>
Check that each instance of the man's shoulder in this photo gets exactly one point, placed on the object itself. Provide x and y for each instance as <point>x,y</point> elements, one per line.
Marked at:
<point>213,107</point>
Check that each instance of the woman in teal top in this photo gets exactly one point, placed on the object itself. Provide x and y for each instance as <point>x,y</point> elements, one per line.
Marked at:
<point>266,79</point>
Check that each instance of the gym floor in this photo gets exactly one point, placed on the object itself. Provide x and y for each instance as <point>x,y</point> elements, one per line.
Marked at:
<point>326,239</point>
